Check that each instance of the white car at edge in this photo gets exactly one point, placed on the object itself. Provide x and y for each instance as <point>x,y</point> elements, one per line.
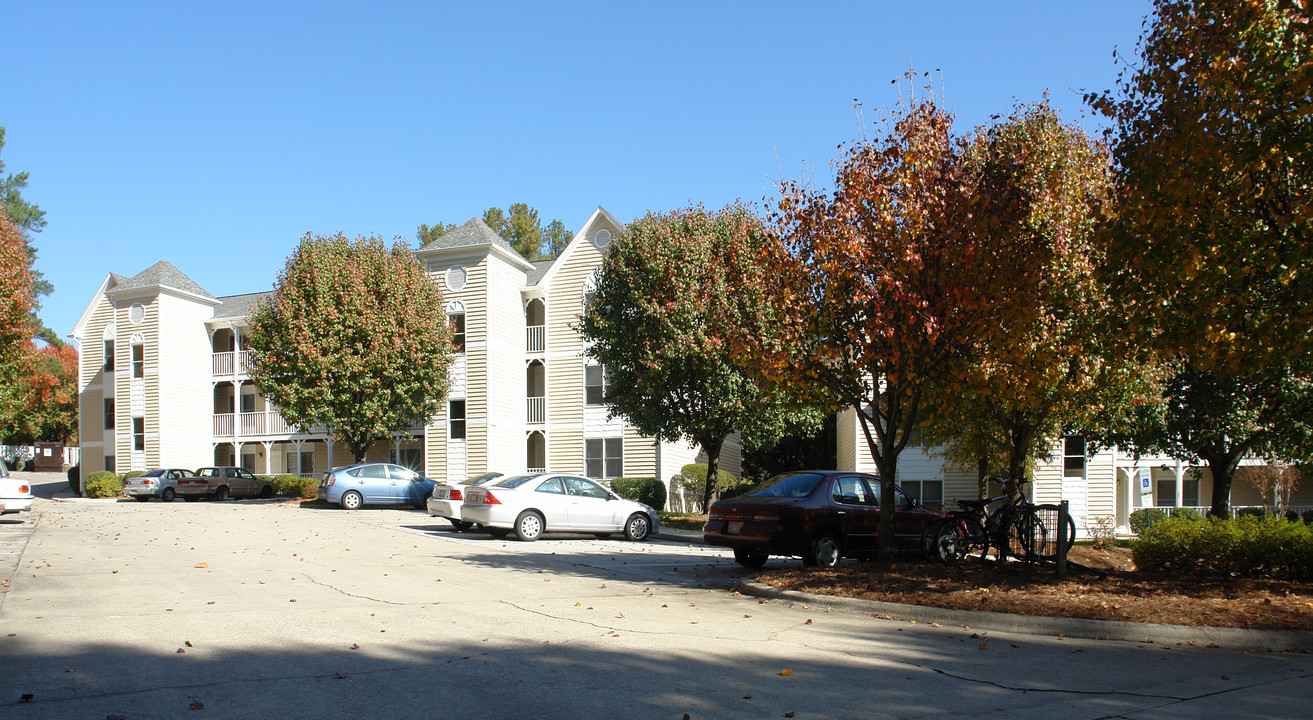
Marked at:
<point>446,498</point>
<point>530,505</point>
<point>15,494</point>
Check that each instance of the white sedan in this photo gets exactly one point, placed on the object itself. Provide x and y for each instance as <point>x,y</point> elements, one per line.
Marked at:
<point>530,505</point>
<point>446,499</point>
<point>15,494</point>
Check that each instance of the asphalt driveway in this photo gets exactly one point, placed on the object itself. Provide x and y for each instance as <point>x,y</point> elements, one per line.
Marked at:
<point>267,609</point>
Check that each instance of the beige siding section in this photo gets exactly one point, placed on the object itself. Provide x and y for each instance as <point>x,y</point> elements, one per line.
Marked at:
<point>640,454</point>
<point>846,440</point>
<point>92,386</point>
<point>507,408</point>
<point>565,450</point>
<point>182,386</point>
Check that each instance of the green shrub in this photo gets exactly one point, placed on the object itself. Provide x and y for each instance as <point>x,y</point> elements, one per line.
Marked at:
<point>1144,518</point>
<point>104,483</point>
<point>1308,517</point>
<point>296,486</point>
<point>132,474</point>
<point>647,490</point>
<point>74,479</point>
<point>1256,512</point>
<point>1249,545</point>
<point>1190,513</point>
<point>692,480</point>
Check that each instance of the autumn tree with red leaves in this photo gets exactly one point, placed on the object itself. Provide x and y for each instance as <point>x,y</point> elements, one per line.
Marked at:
<point>50,407</point>
<point>354,338</point>
<point>876,290</point>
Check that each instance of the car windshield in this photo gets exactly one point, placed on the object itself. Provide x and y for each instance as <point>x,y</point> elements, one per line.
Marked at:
<point>516,481</point>
<point>789,486</point>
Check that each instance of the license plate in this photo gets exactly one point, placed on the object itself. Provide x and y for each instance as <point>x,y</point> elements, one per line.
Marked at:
<point>734,527</point>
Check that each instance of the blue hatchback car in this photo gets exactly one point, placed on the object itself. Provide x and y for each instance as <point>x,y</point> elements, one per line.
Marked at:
<point>355,486</point>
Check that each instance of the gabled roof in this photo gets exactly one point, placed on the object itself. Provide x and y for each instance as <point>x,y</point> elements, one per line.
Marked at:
<point>540,268</point>
<point>161,274</point>
<point>474,233</point>
<point>580,237</point>
<point>239,306</point>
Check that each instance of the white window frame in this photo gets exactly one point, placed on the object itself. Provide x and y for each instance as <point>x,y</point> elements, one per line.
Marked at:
<point>601,388</point>
<point>611,461</point>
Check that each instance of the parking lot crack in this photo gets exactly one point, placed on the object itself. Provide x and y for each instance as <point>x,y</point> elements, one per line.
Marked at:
<point>336,589</point>
<point>599,626</point>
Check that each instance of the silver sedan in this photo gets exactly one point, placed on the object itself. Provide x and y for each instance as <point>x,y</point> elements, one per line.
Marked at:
<point>530,505</point>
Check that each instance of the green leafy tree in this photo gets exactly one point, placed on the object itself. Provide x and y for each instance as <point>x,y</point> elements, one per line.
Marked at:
<point>16,322</point>
<point>519,225</point>
<point>875,290</point>
<point>353,339</point>
<point>1214,159</point>
<point>656,322</point>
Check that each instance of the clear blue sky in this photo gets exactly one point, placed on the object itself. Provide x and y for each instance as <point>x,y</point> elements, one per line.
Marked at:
<point>215,134</point>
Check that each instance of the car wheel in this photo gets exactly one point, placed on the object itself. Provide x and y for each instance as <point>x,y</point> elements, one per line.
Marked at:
<point>351,500</point>
<point>221,493</point>
<point>168,495</point>
<point>143,498</point>
<point>753,558</point>
<point>460,525</point>
<point>190,498</point>
<point>823,551</point>
<point>637,527</point>
<point>267,492</point>
<point>498,532</point>
<point>528,526</point>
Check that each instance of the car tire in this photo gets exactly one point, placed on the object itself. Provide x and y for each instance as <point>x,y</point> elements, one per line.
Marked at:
<point>824,551</point>
<point>168,494</point>
<point>638,527</point>
<point>460,525</point>
<point>221,493</point>
<point>143,498</point>
<point>529,526</point>
<point>267,492</point>
<point>751,559</point>
<point>351,500</point>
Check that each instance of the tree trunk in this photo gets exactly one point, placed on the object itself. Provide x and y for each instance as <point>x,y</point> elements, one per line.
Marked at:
<point>1222,466</point>
<point>712,449</point>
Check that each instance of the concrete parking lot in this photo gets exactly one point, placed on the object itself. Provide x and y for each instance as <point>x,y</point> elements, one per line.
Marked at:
<point>269,609</point>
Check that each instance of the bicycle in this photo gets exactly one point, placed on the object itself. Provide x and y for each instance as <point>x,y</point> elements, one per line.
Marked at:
<point>1015,526</point>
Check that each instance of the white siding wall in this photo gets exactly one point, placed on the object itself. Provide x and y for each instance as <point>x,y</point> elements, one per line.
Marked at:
<point>183,363</point>
<point>506,405</point>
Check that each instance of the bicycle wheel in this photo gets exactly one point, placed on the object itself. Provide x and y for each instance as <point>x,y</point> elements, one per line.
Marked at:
<point>1029,538</point>
<point>956,538</point>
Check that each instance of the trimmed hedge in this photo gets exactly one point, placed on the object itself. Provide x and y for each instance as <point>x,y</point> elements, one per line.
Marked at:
<point>74,478</point>
<point>1268,546</point>
<point>296,486</point>
<point>1145,518</point>
<point>647,490</point>
<point>104,483</point>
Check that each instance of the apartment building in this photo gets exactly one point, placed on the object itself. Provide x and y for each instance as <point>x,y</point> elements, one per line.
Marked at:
<point>163,376</point>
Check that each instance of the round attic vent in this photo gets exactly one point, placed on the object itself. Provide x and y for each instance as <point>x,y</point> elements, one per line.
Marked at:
<point>602,239</point>
<point>136,314</point>
<point>456,278</point>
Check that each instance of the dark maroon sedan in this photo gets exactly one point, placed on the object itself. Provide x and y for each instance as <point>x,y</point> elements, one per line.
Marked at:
<point>822,515</point>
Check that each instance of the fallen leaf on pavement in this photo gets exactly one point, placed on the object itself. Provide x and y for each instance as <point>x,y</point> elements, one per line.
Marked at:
<point>786,672</point>
<point>196,705</point>
<point>202,565</point>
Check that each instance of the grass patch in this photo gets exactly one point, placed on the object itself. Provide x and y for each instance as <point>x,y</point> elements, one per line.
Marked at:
<point>683,521</point>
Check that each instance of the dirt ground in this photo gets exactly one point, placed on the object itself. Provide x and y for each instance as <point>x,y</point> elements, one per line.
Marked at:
<point>1103,585</point>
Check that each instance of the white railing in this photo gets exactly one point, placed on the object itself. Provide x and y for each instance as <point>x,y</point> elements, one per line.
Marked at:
<point>536,338</point>
<point>537,469</point>
<point>221,363</point>
<point>269,422</point>
<point>537,409</point>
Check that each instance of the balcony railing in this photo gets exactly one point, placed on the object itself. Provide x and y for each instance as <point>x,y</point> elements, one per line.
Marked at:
<point>537,409</point>
<point>222,362</point>
<point>268,422</point>
<point>536,338</point>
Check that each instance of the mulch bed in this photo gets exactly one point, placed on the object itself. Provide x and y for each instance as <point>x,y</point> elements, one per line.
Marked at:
<point>1105,586</point>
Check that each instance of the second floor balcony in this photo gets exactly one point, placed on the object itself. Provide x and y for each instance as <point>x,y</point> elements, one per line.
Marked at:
<point>272,423</point>
<point>224,364</point>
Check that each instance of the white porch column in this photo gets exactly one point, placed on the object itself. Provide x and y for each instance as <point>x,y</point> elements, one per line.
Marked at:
<point>268,456</point>
<point>396,448</point>
<point>237,453</point>
<point>1179,472</point>
<point>330,453</point>
<point>299,468</point>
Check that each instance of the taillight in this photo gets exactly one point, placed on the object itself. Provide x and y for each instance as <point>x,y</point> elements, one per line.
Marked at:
<point>490,499</point>
<point>766,516</point>
<point>146,482</point>
<point>24,489</point>
<point>330,482</point>
<point>455,494</point>
<point>714,514</point>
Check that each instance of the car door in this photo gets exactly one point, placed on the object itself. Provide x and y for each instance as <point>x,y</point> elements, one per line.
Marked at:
<point>244,483</point>
<point>410,487</point>
<point>856,512</point>
<point>591,506</point>
<point>375,485</point>
<point>910,521</point>
<point>551,499</point>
